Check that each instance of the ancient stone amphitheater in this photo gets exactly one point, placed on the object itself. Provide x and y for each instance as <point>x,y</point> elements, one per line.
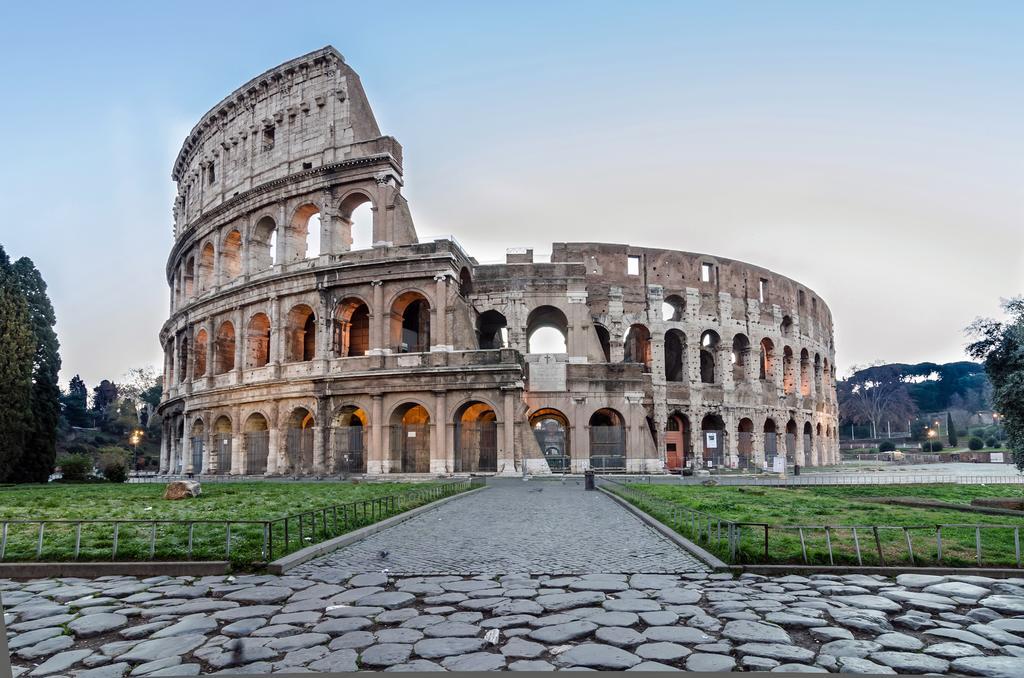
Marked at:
<point>290,350</point>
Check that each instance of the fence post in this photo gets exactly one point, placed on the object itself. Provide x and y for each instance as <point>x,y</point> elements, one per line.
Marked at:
<point>39,544</point>
<point>803,546</point>
<point>977,543</point>
<point>3,541</point>
<point>191,526</point>
<point>1016,544</point>
<point>910,546</point>
<point>856,546</point>
<point>938,543</point>
<point>878,545</point>
<point>78,538</point>
<point>828,543</point>
<point>766,542</point>
<point>152,540</point>
<point>117,527</point>
<point>263,549</point>
<point>227,540</point>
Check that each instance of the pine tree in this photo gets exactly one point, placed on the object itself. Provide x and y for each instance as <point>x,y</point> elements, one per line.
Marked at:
<point>16,361</point>
<point>40,451</point>
<point>75,403</point>
<point>953,440</point>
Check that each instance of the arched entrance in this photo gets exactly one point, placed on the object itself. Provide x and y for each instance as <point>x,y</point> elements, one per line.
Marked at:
<point>298,446</point>
<point>410,439</point>
<point>745,443</point>
<point>198,445</point>
<point>551,429</point>
<point>808,444</point>
<point>476,439</point>
<point>257,444</point>
<point>607,441</point>
<point>791,443</point>
<point>713,433</point>
<point>771,444</point>
<point>349,433</point>
<point>221,441</point>
<point>678,454</point>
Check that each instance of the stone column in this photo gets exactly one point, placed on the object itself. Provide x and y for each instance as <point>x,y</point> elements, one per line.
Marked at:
<point>276,332</point>
<point>579,437</point>
<point>439,454</point>
<point>378,320</point>
<point>439,329</point>
<point>276,451</point>
<point>506,457</point>
<point>731,442</point>
<point>319,455</point>
<point>238,318</point>
<point>757,452</point>
<point>376,462</point>
<point>211,342</point>
<point>165,452</point>
<point>579,321</point>
<point>186,460</point>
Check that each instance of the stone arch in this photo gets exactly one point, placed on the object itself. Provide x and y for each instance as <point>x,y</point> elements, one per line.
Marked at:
<point>492,330</point>
<point>791,442</point>
<point>675,356</point>
<point>301,334</point>
<point>256,443</point>
<point>476,438</point>
<point>786,327</point>
<point>188,278</point>
<point>257,341</point>
<point>607,440</point>
<point>808,444</point>
<point>673,309</point>
<point>199,351</point>
<point>805,373</point>
<point>766,371</point>
<point>263,245</point>
<point>351,334</point>
<point>303,237</point>
<point>551,430</point>
<point>788,371</point>
<point>298,444</point>
<point>222,443</point>
<point>410,322</point>
<point>547,328</point>
<point>713,433</point>
<point>349,427</point>
<point>637,346</point>
<point>410,438</point>
<point>183,359</point>
<point>745,442</point>
<point>231,255</point>
<point>197,438</point>
<point>354,223</point>
<point>678,451</point>
<point>740,357</point>
<point>771,441</point>
<point>224,348</point>
<point>709,344</point>
<point>207,257</point>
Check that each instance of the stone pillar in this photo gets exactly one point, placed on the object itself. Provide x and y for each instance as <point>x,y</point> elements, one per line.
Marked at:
<point>185,458</point>
<point>506,457</point>
<point>276,451</point>
<point>579,324</point>
<point>731,442</point>
<point>378,320</point>
<point>238,318</point>
<point>579,437</point>
<point>439,328</point>
<point>692,365</point>
<point>319,453</point>
<point>165,452</point>
<point>175,367</point>
<point>757,451</point>
<point>376,462</point>
<point>277,337</point>
<point>439,454</point>
<point>211,343</point>
<point>778,369</point>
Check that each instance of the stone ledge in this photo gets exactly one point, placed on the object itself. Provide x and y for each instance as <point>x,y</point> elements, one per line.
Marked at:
<point>708,558</point>
<point>149,568</point>
<point>285,563</point>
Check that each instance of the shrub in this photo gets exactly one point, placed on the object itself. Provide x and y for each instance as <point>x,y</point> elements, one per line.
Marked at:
<point>975,443</point>
<point>936,446</point>
<point>887,446</point>
<point>113,464</point>
<point>75,466</point>
<point>992,442</point>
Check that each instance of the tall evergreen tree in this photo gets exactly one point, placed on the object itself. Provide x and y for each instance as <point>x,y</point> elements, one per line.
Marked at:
<point>951,428</point>
<point>40,451</point>
<point>76,403</point>
<point>16,358</point>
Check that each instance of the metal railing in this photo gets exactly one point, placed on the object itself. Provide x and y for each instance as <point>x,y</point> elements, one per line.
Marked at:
<point>842,479</point>
<point>243,542</point>
<point>881,545</point>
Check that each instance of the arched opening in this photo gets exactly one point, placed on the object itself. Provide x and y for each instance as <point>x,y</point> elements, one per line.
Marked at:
<point>551,429</point>
<point>410,439</point>
<point>263,245</point>
<point>199,359</point>
<point>607,441</point>
<point>410,323</point>
<point>675,356</point>
<point>304,233</point>
<point>605,339</point>
<point>786,328</point>
<point>301,335</point>
<point>791,433</point>
<point>349,433</point>
<point>712,429</point>
<point>188,278</point>
<point>709,342</point>
<point>740,358</point>
<point>826,378</point>
<point>183,359</point>
<point>767,369</point>
<point>788,371</point>
<point>637,346</point>
<point>222,444</point>
<point>817,373</point>
<point>169,357</point>
<point>476,439</point>
<point>257,344</point>
<point>355,222</point>
<point>808,443</point>
<point>492,330</point>
<point>256,439</point>
<point>547,330</point>
<point>672,308</point>
<point>298,445</point>
<point>745,443</point>
<point>198,435</point>
<point>206,259</point>
<point>224,348</point>
<point>231,256</point>
<point>351,328</point>
<point>771,442</point>
<point>465,282</point>
<point>805,373</point>
<point>678,454</point>
<point>178,465</point>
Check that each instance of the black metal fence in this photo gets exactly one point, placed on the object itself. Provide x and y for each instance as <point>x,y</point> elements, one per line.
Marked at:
<point>222,448</point>
<point>608,449</point>
<point>257,451</point>
<point>349,450</point>
<point>476,448</point>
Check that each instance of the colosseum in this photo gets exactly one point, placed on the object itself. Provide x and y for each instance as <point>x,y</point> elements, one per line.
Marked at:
<point>304,341</point>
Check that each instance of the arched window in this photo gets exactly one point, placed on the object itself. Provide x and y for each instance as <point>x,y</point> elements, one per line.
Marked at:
<point>551,429</point>
<point>771,442</point>
<point>547,330</point>
<point>199,360</point>
<point>709,342</point>
<point>257,341</point>
<point>410,323</point>
<point>465,283</point>
<point>304,234</point>
<point>263,245</point>
<point>740,357</point>
<point>637,346</point>
<point>805,373</point>
<point>349,434</point>
<point>256,441</point>
<point>605,339</point>
<point>298,445</point>
<point>206,259</point>
<point>476,439</point>
<point>712,429</point>
<point>678,454</point>
<point>675,356</point>
<point>787,326</point>
<point>791,441</point>
<point>672,308</point>
<point>788,371</point>
<point>231,256</point>
<point>183,359</point>
<point>410,439</point>
<point>188,278</point>
<point>607,441</point>
<point>224,348</point>
<point>767,369</point>
<point>301,331</point>
<point>817,373</point>
<point>745,443</point>
<point>355,223</point>
<point>221,444</point>
<point>492,330</point>
<point>351,328</point>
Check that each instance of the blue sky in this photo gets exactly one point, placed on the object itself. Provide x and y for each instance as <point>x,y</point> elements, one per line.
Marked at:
<point>871,150</point>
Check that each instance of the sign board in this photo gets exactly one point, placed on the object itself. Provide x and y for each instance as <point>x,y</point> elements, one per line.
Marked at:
<point>712,438</point>
<point>995,457</point>
<point>710,463</point>
<point>411,434</point>
<point>779,464</point>
<point>547,375</point>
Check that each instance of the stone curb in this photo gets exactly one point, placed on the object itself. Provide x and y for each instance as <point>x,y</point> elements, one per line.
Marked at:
<point>889,571</point>
<point>285,563</point>
<point>149,568</point>
<point>709,559</point>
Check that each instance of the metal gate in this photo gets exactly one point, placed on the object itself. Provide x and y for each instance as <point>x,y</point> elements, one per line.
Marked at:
<point>607,449</point>
<point>410,448</point>
<point>197,455</point>
<point>551,436</point>
<point>349,449</point>
<point>476,447</point>
<point>790,449</point>
<point>771,448</point>
<point>745,449</point>
<point>714,449</point>
<point>299,450</point>
<point>807,448</point>
<point>257,449</point>
<point>222,448</point>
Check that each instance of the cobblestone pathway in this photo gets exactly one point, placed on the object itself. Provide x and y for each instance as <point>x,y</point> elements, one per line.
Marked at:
<point>541,527</point>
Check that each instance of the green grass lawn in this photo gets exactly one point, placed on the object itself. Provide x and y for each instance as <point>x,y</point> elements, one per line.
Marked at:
<point>241,501</point>
<point>841,508</point>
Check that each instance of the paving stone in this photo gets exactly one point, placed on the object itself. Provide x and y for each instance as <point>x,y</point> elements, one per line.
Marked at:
<point>109,671</point>
<point>452,629</point>
<point>566,601</point>
<point>561,633</point>
<point>60,662</point>
<point>597,656</point>
<point>990,667</point>
<point>355,640</point>
<point>242,651</point>
<point>517,647</point>
<point>631,605</point>
<point>958,589</point>
<point>776,651</point>
<point>507,621</point>
<point>389,600</point>
<point>911,662</point>
<point>710,663</point>
<point>524,665</point>
<point>243,627</point>
<point>870,602</point>
<point>899,641</point>
<point>798,668</point>
<point>953,650</point>
<point>179,670</point>
<point>753,663</point>
<point>149,667</point>
<point>245,612</point>
<point>41,623</point>
<point>676,634</point>
<point>192,624</point>
<point>962,636</point>
<point>30,638</point>
<point>151,650</point>
<point>260,594</point>
<point>659,618</point>
<point>661,651</point>
<point>850,648</point>
<point>299,641</point>
<point>416,665</point>
<point>433,648</point>
<point>755,632</point>
<point>790,619</point>
<point>298,618</point>
<point>1005,604</point>
<point>827,633</point>
<point>678,596</point>
<point>619,636</point>
<point>407,636</point>
<point>476,661</point>
<point>996,634</point>
<point>276,631</point>
<point>340,625</point>
<point>336,662</point>
<point>45,648</point>
<point>517,606</point>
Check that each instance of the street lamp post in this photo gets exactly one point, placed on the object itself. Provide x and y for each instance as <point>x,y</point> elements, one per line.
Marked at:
<point>135,440</point>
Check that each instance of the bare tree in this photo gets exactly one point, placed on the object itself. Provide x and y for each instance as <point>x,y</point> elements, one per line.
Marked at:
<point>875,395</point>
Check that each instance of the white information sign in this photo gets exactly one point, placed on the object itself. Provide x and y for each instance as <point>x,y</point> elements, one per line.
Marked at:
<point>995,457</point>
<point>779,465</point>
<point>712,438</point>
